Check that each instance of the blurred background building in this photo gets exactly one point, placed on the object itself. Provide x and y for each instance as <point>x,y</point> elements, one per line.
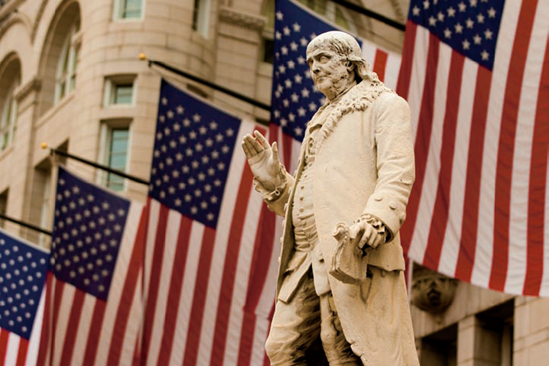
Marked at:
<point>70,76</point>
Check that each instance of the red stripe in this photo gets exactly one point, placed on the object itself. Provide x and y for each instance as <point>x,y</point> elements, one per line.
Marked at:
<point>94,332</point>
<point>174,294</point>
<point>131,280</point>
<point>538,186</point>
<point>23,351</point>
<point>4,339</point>
<point>439,219</point>
<point>287,143</point>
<point>45,331</point>
<point>154,283</point>
<point>405,73</point>
<point>136,360</point>
<point>72,327</point>
<point>380,63</point>
<point>57,296</point>
<point>263,247</point>
<point>230,266</point>
<point>468,238</point>
<point>423,139</point>
<point>506,147</point>
<point>199,297</point>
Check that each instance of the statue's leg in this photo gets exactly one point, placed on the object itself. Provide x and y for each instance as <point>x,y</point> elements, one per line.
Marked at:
<point>337,349</point>
<point>295,326</point>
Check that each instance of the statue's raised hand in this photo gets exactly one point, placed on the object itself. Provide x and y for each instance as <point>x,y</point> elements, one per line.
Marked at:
<point>263,160</point>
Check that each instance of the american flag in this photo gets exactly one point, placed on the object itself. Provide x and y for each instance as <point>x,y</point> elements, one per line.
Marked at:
<point>22,278</point>
<point>93,305</point>
<point>294,96</point>
<point>209,259</point>
<point>476,76</point>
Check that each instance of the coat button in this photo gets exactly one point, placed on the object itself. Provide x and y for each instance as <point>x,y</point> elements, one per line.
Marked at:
<point>393,205</point>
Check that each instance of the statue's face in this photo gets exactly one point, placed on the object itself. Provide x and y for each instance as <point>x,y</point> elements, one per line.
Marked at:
<point>328,71</point>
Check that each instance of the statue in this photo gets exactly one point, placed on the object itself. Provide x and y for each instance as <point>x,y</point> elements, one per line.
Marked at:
<point>355,173</point>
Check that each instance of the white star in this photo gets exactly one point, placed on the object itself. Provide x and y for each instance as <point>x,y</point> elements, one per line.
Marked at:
<point>169,114</point>
<point>286,31</point>
<point>210,216</point>
<point>217,182</point>
<point>303,41</point>
<point>473,3</point>
<point>447,33</point>
<point>415,10</point>
<point>477,39</point>
<point>492,13</point>
<point>291,64</point>
<point>432,21</point>
<point>291,117</point>
<point>312,106</point>
<point>294,46</point>
<point>284,50</point>
<point>300,60</point>
<point>462,6</point>
<point>459,28</point>
<point>221,166</point>
<point>297,27</point>
<point>180,109</point>
<point>194,210</point>
<point>305,93</point>
<point>488,34</point>
<point>426,4</point>
<point>440,16</point>
<point>485,55</point>
<point>466,45</point>
<point>480,18</point>
<point>451,12</point>
<point>196,117</point>
<point>278,35</point>
<point>279,15</point>
<point>288,83</point>
<point>301,111</point>
<point>470,23</point>
<point>295,98</point>
<point>282,69</point>
<point>188,198</point>
<point>186,122</point>
<point>178,202</point>
<point>161,118</point>
<point>298,78</point>
<point>164,101</point>
<point>298,131</point>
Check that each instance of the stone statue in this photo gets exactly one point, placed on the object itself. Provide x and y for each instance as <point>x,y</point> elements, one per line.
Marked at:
<point>356,167</point>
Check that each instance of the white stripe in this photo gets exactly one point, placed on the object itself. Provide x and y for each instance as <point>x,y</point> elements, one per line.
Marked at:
<point>518,240</point>
<point>133,328</point>
<point>170,244</point>
<point>450,249</point>
<point>544,291</point>
<point>13,348</point>
<point>83,329</point>
<point>187,294</point>
<point>392,69</point>
<point>242,277</point>
<point>117,285</point>
<point>154,210</point>
<point>34,343</point>
<point>62,321</point>
<point>261,333</point>
<point>223,229</point>
<point>417,80</point>
<point>369,52</point>
<point>430,183</point>
<point>485,239</point>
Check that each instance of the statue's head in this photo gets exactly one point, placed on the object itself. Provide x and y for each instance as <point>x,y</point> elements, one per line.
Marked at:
<point>335,61</point>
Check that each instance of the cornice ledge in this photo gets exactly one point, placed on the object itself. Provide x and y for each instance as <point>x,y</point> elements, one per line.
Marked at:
<point>243,19</point>
<point>24,90</point>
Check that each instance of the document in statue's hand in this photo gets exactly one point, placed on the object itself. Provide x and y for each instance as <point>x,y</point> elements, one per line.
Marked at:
<point>349,263</point>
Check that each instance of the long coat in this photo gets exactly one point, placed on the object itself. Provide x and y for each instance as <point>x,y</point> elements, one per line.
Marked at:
<point>364,165</point>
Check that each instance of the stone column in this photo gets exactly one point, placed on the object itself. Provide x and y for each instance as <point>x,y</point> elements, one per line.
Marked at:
<point>477,345</point>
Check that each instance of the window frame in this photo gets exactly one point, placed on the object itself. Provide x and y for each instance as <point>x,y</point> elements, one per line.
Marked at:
<point>109,95</point>
<point>8,117</point>
<point>202,17</point>
<point>67,64</point>
<point>107,127</point>
<point>119,9</point>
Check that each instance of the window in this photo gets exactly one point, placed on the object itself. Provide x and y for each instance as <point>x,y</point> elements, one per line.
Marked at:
<point>116,138</point>
<point>65,78</point>
<point>201,16</point>
<point>333,12</point>
<point>268,32</point>
<point>8,118</point>
<point>128,9</point>
<point>119,91</point>
<point>3,206</point>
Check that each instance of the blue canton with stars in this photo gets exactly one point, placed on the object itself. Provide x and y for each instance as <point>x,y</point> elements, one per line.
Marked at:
<point>192,154</point>
<point>468,26</point>
<point>295,99</point>
<point>87,232</point>
<point>22,275</point>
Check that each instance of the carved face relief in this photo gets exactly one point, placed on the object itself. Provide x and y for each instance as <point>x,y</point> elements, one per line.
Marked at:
<point>329,72</point>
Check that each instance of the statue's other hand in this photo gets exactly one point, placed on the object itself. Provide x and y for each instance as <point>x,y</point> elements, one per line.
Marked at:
<point>363,233</point>
<point>263,160</point>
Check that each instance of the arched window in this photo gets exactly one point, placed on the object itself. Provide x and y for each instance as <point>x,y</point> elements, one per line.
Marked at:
<point>9,118</point>
<point>65,78</point>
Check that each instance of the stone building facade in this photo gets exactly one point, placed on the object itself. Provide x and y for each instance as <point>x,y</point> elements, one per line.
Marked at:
<point>70,76</point>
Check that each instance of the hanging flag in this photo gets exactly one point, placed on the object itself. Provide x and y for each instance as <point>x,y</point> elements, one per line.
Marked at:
<point>295,99</point>
<point>22,277</point>
<point>476,76</point>
<point>93,307</point>
<point>210,264</point>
